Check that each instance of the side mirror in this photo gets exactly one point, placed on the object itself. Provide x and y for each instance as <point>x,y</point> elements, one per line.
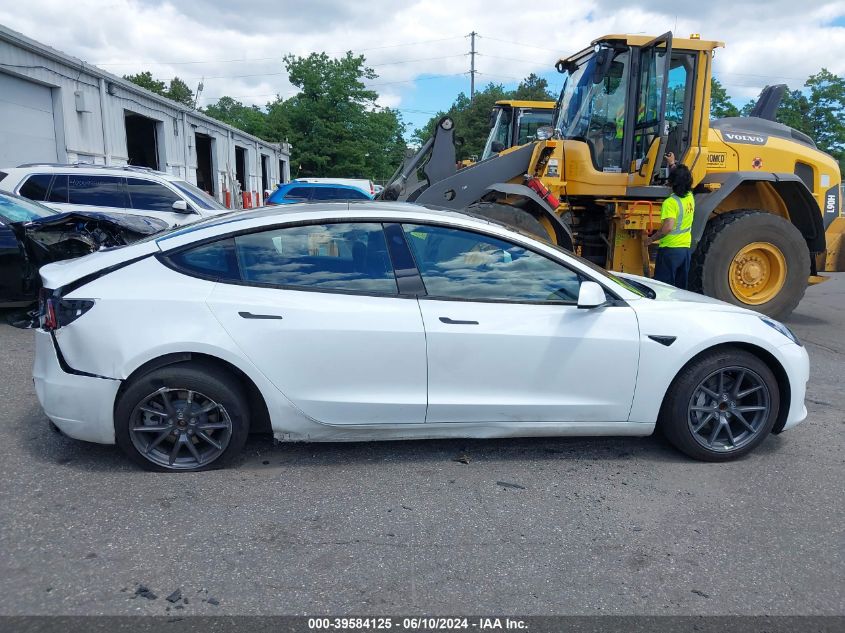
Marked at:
<point>591,295</point>
<point>180,206</point>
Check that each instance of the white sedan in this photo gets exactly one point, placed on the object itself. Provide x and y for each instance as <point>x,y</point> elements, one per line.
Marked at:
<point>378,321</point>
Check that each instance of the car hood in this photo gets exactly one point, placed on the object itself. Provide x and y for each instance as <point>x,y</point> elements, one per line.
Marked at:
<point>141,225</point>
<point>667,294</point>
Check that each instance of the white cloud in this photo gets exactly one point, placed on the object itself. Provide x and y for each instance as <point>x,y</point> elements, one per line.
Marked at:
<point>767,41</point>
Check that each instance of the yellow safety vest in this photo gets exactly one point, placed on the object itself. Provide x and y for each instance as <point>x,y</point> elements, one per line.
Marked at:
<point>682,210</point>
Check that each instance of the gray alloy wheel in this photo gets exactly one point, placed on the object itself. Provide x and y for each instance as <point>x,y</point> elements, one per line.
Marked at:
<point>728,409</point>
<point>180,429</point>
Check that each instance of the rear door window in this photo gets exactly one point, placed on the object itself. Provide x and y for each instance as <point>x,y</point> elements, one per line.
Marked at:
<point>36,186</point>
<point>146,195</point>
<point>299,193</point>
<point>58,191</point>
<point>96,191</point>
<point>348,257</point>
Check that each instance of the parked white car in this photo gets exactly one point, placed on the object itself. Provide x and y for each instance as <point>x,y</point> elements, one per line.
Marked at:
<point>131,190</point>
<point>377,321</point>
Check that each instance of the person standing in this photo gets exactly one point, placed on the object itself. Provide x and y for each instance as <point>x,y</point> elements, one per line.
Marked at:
<point>674,237</point>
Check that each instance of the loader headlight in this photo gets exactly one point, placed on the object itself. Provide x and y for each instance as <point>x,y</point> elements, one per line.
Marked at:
<point>780,327</point>
<point>545,133</point>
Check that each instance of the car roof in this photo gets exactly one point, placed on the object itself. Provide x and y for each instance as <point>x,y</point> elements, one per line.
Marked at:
<point>85,168</point>
<point>321,185</point>
<point>314,212</point>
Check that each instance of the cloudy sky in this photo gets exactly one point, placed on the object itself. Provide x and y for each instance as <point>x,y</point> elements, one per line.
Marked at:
<point>419,48</point>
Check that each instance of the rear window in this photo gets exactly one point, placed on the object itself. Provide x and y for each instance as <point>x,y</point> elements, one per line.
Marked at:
<point>35,187</point>
<point>299,193</point>
<point>3,174</point>
<point>216,260</point>
<point>95,191</point>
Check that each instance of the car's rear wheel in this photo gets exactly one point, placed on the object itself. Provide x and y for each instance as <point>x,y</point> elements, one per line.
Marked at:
<point>182,418</point>
<point>721,405</point>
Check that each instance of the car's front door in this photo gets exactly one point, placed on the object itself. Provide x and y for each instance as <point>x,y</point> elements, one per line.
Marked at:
<point>506,341</point>
<point>153,199</point>
<point>318,312</point>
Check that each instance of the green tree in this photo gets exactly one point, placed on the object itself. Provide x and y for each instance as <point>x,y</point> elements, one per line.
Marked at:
<point>472,120</point>
<point>534,88</point>
<point>720,102</point>
<point>146,80</point>
<point>179,91</point>
<point>827,113</point>
<point>334,124</point>
<point>250,119</point>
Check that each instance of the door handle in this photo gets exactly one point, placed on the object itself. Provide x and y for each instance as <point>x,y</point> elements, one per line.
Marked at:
<point>449,321</point>
<point>250,315</point>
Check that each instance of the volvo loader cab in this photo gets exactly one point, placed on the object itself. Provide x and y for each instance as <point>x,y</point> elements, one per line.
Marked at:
<point>764,193</point>
<point>514,123</point>
<point>768,207</point>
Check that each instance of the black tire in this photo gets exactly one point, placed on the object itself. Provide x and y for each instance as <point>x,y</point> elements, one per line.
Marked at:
<point>723,238</point>
<point>678,419</point>
<point>230,418</point>
<point>515,217</point>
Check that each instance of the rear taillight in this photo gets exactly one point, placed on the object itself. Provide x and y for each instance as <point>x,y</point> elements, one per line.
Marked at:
<point>55,312</point>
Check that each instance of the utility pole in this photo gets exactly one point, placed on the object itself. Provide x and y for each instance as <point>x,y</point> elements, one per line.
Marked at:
<point>472,66</point>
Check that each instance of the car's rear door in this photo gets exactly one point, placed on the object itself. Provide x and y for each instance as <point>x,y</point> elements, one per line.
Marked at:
<point>506,341</point>
<point>317,310</point>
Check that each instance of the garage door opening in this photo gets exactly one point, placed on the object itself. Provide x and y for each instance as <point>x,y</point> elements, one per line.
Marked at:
<point>205,163</point>
<point>240,167</point>
<point>265,176</point>
<point>141,140</point>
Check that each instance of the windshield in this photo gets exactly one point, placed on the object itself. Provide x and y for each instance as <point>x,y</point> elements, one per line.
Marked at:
<point>500,133</point>
<point>595,112</point>
<point>629,285</point>
<point>15,209</point>
<point>197,195</point>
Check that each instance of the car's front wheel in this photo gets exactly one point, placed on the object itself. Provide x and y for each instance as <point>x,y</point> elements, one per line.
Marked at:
<point>721,405</point>
<point>182,418</point>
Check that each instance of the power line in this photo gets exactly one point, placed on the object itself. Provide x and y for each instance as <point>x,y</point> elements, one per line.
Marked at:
<point>496,39</point>
<point>279,58</point>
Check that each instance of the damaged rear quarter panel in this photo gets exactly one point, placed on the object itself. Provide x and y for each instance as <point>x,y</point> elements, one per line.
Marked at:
<point>114,338</point>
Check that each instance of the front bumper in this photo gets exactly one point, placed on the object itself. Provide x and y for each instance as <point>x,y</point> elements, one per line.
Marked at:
<point>796,362</point>
<point>81,406</point>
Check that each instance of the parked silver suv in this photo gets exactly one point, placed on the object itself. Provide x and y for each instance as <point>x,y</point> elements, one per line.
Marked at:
<point>133,190</point>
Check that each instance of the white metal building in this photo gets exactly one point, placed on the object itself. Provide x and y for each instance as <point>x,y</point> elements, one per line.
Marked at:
<point>57,108</point>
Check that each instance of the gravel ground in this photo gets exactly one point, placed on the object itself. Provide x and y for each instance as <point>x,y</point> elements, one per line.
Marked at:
<point>529,526</point>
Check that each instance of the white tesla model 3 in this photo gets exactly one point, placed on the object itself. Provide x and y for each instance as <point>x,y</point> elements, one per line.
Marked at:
<point>377,321</point>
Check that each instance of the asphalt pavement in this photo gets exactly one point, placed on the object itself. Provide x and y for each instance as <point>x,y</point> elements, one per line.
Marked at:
<point>526,526</point>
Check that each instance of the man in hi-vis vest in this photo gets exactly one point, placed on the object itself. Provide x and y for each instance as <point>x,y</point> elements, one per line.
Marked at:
<point>674,236</point>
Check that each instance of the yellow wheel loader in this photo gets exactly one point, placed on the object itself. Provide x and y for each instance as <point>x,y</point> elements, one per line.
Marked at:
<point>768,202</point>
<point>514,123</point>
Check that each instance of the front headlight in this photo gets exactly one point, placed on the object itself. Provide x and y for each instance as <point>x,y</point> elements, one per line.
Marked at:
<point>780,327</point>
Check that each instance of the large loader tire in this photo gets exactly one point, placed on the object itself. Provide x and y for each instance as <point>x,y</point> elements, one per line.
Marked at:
<point>520,219</point>
<point>752,259</point>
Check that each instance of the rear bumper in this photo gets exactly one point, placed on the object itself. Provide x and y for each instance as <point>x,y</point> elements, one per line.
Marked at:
<point>81,406</point>
<point>796,362</point>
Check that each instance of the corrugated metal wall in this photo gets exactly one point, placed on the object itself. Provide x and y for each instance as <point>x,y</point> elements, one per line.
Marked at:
<point>89,110</point>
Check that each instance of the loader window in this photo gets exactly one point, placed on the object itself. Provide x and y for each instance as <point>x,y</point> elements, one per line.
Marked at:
<point>595,112</point>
